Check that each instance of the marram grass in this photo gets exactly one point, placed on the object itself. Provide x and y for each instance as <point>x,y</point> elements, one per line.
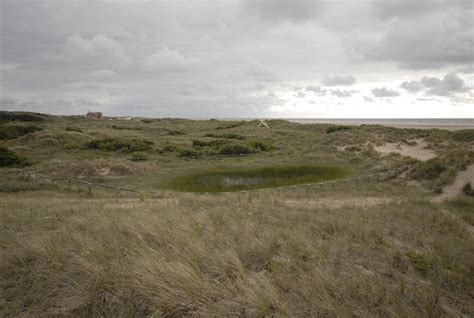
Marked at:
<point>226,180</point>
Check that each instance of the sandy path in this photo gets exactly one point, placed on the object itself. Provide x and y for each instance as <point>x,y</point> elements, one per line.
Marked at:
<point>418,151</point>
<point>453,190</point>
<point>336,203</point>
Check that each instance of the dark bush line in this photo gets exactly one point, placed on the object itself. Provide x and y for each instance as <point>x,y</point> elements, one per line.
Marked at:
<point>110,144</point>
<point>9,158</point>
<point>213,143</point>
<point>226,136</point>
<point>176,132</point>
<point>125,128</point>
<point>75,129</point>
<point>21,116</point>
<point>233,125</point>
<point>332,129</point>
<point>468,190</point>
<point>12,132</point>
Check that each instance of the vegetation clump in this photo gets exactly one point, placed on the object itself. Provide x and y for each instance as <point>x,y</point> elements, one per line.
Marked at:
<point>75,129</point>
<point>423,263</point>
<point>21,116</point>
<point>226,136</point>
<point>232,125</point>
<point>15,131</point>
<point>139,156</point>
<point>176,132</point>
<point>333,129</point>
<point>467,189</point>
<point>110,144</point>
<point>465,135</point>
<point>236,149</point>
<point>9,158</point>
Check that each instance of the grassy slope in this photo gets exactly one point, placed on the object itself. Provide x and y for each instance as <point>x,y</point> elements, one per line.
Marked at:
<point>375,250</point>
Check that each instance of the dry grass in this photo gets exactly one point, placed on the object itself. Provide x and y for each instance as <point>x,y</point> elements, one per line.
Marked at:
<point>233,255</point>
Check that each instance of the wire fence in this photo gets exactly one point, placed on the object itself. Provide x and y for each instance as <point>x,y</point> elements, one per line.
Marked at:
<point>72,183</point>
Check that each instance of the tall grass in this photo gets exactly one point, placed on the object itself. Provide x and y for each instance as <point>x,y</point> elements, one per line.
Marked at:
<point>277,254</point>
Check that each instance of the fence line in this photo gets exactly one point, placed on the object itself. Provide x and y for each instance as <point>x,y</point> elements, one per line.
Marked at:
<point>378,176</point>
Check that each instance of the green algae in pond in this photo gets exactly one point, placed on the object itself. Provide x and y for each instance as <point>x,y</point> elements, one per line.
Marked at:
<point>255,178</point>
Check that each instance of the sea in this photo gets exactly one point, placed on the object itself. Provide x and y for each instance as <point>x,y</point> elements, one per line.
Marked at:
<point>453,123</point>
<point>420,123</point>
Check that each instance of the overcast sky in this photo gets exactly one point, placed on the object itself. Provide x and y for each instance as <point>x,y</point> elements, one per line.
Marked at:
<point>239,58</point>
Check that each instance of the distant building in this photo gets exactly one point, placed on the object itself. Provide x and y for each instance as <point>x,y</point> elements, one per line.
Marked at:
<point>94,115</point>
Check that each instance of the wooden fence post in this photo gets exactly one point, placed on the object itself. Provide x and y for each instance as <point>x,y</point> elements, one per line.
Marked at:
<point>89,190</point>
<point>69,184</point>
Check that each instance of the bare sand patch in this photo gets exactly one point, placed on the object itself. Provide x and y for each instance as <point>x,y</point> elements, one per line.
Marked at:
<point>453,190</point>
<point>417,151</point>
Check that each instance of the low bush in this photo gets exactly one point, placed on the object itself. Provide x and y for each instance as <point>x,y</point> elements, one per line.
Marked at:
<point>212,143</point>
<point>231,150</point>
<point>466,135</point>
<point>12,132</point>
<point>110,144</point>
<point>9,158</point>
<point>232,125</point>
<point>189,153</point>
<point>333,129</point>
<point>76,129</point>
<point>429,170</point>
<point>422,263</point>
<point>21,116</point>
<point>125,128</point>
<point>169,148</point>
<point>467,190</point>
<point>226,136</point>
<point>176,132</point>
<point>261,146</point>
<point>139,156</point>
<point>18,186</point>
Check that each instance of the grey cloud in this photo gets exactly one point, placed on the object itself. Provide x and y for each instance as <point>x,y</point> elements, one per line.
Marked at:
<point>284,10</point>
<point>419,34</point>
<point>341,93</point>
<point>339,81</point>
<point>384,92</point>
<point>449,84</point>
<point>368,99</point>
<point>300,95</point>
<point>412,86</point>
<point>316,90</point>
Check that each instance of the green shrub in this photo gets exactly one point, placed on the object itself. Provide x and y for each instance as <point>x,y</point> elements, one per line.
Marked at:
<point>169,148</point>
<point>139,156</point>
<point>261,146</point>
<point>422,263</point>
<point>429,170</point>
<point>232,125</point>
<point>125,128</point>
<point>213,143</point>
<point>12,132</point>
<point>176,132</point>
<point>467,190</point>
<point>147,121</point>
<point>226,136</point>
<point>18,186</point>
<point>189,153</point>
<point>466,135</point>
<point>332,129</point>
<point>21,116</point>
<point>110,144</point>
<point>230,150</point>
<point>9,158</point>
<point>76,129</point>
